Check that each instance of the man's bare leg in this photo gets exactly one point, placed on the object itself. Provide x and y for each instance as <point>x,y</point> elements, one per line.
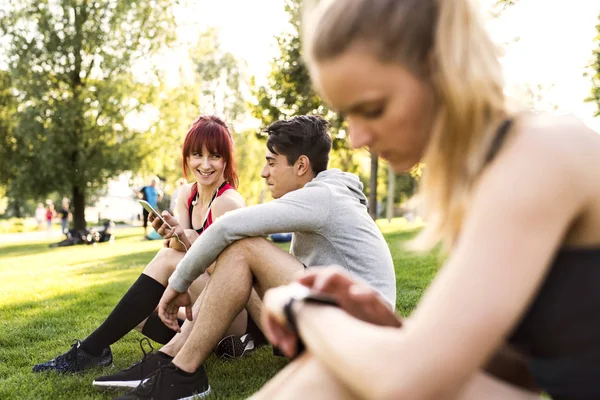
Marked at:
<point>238,327</point>
<point>244,264</point>
<point>254,307</point>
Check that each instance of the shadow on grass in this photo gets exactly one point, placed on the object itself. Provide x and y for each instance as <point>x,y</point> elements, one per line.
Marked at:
<point>36,331</point>
<point>38,248</point>
<point>18,250</point>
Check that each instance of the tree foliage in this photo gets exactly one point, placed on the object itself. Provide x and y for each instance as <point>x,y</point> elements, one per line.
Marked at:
<point>214,86</point>
<point>77,74</point>
<point>220,77</point>
<point>289,92</point>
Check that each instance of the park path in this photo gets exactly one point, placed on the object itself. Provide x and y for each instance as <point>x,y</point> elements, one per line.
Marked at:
<point>55,235</point>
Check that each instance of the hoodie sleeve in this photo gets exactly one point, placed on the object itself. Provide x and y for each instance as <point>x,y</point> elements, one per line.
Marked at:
<point>303,210</point>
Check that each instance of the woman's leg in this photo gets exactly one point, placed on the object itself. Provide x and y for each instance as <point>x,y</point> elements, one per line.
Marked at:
<point>135,306</point>
<point>303,378</point>
<point>484,386</point>
<point>306,377</point>
<point>153,327</point>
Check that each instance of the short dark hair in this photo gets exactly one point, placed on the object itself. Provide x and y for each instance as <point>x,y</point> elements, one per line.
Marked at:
<point>302,135</point>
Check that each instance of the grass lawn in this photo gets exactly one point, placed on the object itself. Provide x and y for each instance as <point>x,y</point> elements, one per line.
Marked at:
<point>48,297</point>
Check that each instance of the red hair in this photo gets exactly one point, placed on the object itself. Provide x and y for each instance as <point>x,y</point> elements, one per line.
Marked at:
<point>212,132</point>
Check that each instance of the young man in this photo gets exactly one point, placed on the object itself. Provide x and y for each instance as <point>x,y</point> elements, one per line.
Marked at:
<point>325,210</point>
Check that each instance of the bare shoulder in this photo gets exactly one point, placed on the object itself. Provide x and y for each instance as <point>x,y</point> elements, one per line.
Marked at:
<point>547,144</point>
<point>229,200</point>
<point>562,134</point>
<point>185,191</point>
<point>546,157</point>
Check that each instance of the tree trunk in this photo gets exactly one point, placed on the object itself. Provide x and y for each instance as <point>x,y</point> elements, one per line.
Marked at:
<point>373,186</point>
<point>78,208</point>
<point>16,206</point>
<point>391,192</point>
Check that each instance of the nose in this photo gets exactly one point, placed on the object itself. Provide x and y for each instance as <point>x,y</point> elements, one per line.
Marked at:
<point>359,135</point>
<point>204,163</point>
<point>264,173</point>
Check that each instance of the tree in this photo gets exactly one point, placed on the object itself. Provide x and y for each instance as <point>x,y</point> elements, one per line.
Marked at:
<point>8,144</point>
<point>289,92</point>
<point>595,75</point>
<point>214,86</point>
<point>174,110</point>
<point>78,73</point>
<point>220,76</point>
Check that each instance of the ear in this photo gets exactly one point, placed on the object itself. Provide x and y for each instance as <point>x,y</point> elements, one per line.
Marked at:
<point>303,165</point>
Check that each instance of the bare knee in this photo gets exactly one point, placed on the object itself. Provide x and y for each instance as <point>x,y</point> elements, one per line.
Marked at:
<point>241,250</point>
<point>163,264</point>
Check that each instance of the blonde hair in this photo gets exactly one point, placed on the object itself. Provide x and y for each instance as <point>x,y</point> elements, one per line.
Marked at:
<point>443,43</point>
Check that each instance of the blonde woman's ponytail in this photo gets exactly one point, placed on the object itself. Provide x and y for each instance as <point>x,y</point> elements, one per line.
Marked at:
<point>467,78</point>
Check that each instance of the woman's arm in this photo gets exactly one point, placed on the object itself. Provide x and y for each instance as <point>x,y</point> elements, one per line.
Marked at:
<point>517,220</point>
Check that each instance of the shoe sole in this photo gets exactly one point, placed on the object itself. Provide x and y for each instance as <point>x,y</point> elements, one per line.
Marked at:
<point>198,395</point>
<point>231,347</point>
<point>85,370</point>
<point>116,384</point>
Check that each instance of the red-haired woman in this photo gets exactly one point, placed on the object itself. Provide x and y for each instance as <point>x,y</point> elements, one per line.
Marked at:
<point>208,158</point>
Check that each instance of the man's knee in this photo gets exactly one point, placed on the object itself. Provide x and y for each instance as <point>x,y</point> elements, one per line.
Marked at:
<point>243,249</point>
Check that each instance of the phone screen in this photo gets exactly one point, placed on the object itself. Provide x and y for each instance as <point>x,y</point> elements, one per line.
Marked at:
<point>151,210</point>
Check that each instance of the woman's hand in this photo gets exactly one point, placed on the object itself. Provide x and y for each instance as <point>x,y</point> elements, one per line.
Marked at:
<point>171,231</point>
<point>274,322</point>
<point>353,296</point>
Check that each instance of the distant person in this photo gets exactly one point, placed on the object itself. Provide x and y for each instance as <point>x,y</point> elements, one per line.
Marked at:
<point>152,194</point>
<point>50,215</point>
<point>64,216</point>
<point>40,216</point>
<point>173,203</point>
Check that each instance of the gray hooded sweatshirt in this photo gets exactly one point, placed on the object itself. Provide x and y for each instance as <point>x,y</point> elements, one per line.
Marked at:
<point>330,225</point>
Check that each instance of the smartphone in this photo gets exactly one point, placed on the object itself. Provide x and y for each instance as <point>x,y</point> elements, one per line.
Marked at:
<point>151,210</point>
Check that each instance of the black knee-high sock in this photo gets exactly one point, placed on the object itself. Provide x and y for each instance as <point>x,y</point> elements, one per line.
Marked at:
<point>157,331</point>
<point>139,302</point>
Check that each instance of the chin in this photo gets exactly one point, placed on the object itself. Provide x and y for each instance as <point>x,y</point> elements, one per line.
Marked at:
<point>402,164</point>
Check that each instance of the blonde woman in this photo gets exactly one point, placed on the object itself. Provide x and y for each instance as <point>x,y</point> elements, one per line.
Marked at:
<point>513,197</point>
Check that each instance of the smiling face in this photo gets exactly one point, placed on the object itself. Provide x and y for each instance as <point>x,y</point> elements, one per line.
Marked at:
<point>387,108</point>
<point>206,167</point>
<point>281,177</point>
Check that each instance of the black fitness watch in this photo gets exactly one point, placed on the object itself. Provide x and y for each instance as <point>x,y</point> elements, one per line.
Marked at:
<point>310,298</point>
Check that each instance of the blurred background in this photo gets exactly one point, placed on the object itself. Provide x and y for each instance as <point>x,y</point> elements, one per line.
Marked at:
<point>96,96</point>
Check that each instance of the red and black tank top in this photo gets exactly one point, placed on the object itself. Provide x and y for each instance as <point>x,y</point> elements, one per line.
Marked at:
<point>194,198</point>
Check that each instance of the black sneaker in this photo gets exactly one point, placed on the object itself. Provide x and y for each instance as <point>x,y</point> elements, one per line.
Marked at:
<point>134,375</point>
<point>171,383</point>
<point>231,347</point>
<point>75,360</point>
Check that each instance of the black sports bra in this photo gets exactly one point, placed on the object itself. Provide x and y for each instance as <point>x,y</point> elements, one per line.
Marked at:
<point>560,331</point>
<point>194,197</point>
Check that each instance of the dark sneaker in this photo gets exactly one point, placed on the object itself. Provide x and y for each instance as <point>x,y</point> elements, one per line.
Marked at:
<point>171,383</point>
<point>134,375</point>
<point>235,346</point>
<point>76,360</point>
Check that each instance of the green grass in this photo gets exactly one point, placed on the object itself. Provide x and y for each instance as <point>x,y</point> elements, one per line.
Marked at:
<point>50,296</point>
